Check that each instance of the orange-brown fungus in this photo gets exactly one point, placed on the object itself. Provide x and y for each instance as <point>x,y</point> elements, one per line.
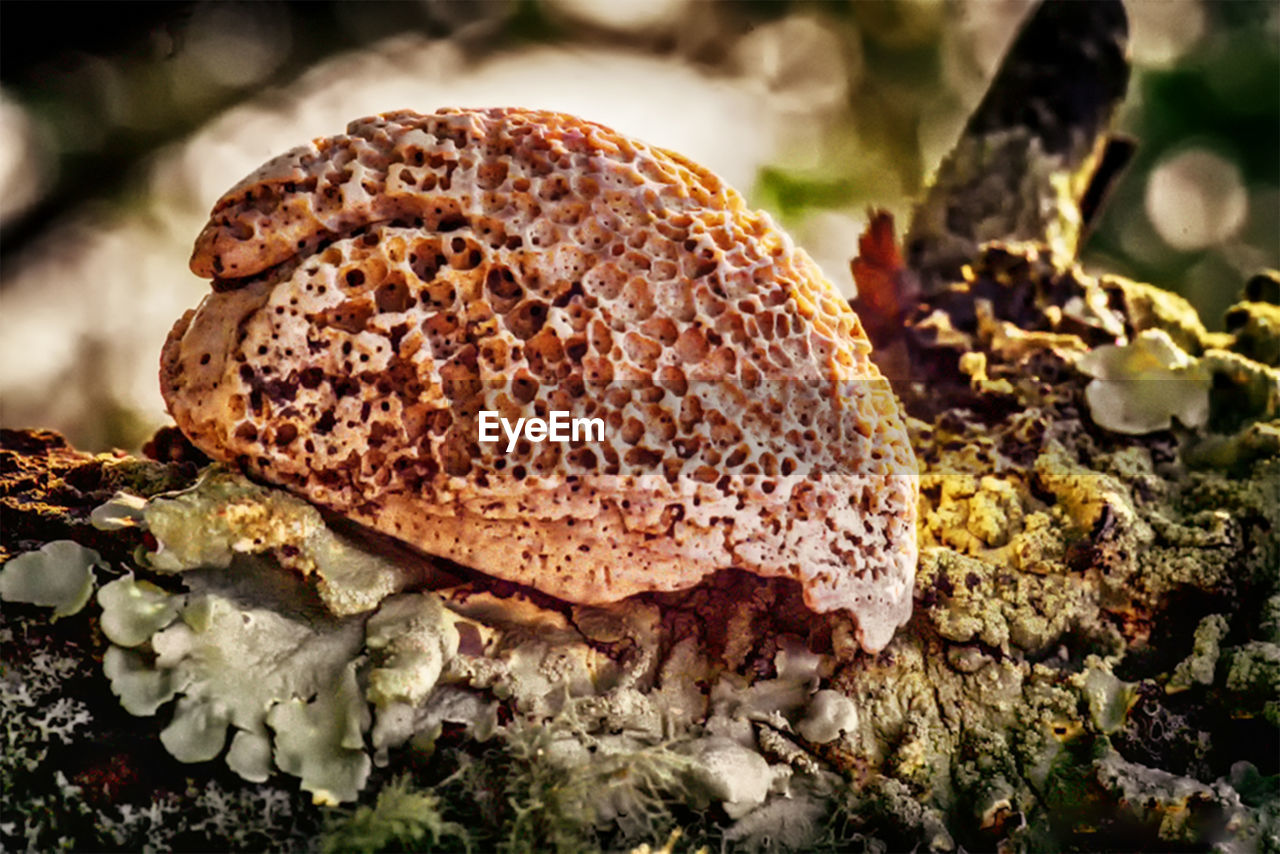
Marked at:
<point>374,292</point>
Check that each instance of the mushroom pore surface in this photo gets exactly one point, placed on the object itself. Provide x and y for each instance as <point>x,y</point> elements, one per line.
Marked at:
<point>374,292</point>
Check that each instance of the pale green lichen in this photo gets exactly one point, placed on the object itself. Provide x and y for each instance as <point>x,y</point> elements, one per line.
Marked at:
<point>226,515</point>
<point>142,689</point>
<point>792,820</point>
<point>59,576</point>
<point>1198,668</point>
<point>133,610</point>
<point>240,818</point>
<point>245,666</point>
<point>57,789</point>
<point>124,510</point>
<point>1110,699</point>
<point>1253,673</point>
<point>412,636</point>
<point>1148,307</point>
<point>829,715</point>
<point>1142,386</point>
<point>562,785</point>
<point>322,740</point>
<point>402,816</point>
<point>1244,390</point>
<point>1256,327</point>
<point>1175,805</point>
<point>253,649</point>
<point>1269,624</point>
<point>250,756</point>
<point>729,772</point>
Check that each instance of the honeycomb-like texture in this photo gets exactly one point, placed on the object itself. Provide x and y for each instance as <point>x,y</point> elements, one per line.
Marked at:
<point>374,292</point>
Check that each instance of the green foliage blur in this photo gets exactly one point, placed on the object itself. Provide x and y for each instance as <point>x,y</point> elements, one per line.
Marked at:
<point>1222,96</point>
<point>102,89</point>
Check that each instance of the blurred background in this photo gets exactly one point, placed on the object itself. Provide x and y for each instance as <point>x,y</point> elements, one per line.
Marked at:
<point>121,124</point>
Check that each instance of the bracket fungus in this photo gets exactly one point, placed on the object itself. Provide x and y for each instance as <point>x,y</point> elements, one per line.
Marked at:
<point>375,292</point>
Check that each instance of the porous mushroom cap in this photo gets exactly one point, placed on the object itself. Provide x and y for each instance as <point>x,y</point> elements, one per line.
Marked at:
<point>373,292</point>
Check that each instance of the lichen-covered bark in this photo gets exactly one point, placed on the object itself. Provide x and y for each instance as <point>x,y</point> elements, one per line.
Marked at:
<point>48,489</point>
<point>76,771</point>
<point>1064,682</point>
<point>1093,661</point>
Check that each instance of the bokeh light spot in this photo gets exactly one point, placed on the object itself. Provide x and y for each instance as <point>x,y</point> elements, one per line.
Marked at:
<point>801,63</point>
<point>1196,198</point>
<point>23,167</point>
<point>625,15</point>
<point>238,44</point>
<point>1164,30</point>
